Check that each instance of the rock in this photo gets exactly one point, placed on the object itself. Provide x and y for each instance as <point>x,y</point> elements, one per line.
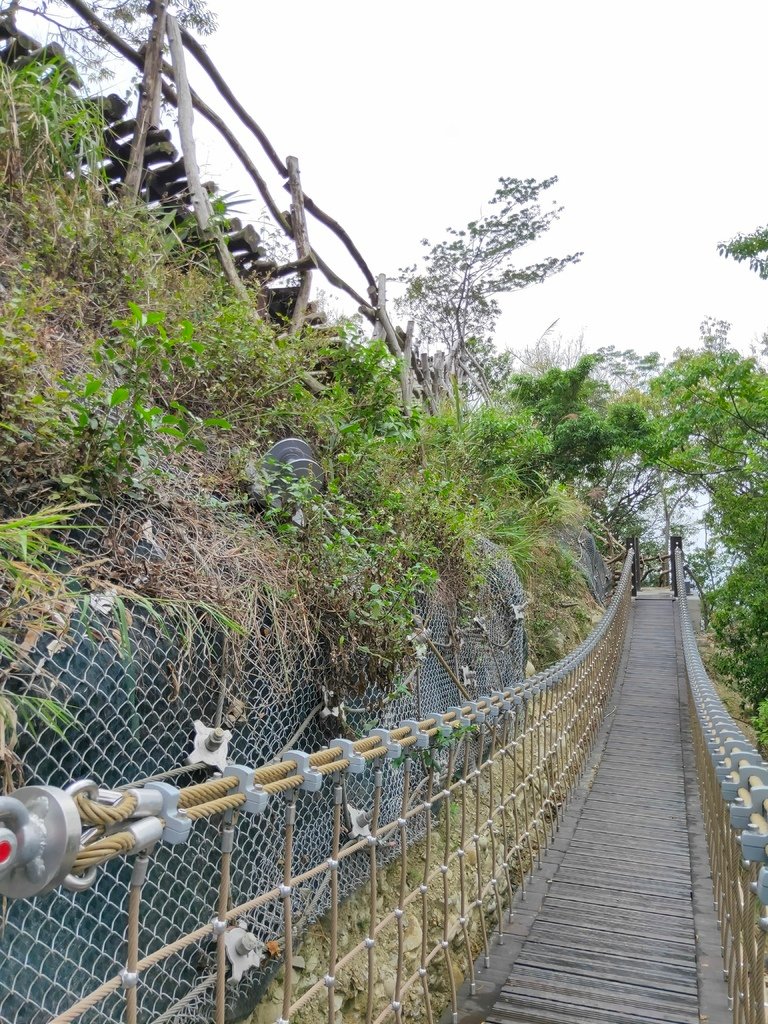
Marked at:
<point>412,935</point>
<point>530,670</point>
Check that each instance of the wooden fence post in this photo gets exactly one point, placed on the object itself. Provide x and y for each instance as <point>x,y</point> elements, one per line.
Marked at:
<point>201,203</point>
<point>406,371</point>
<point>148,113</point>
<point>301,241</point>
<point>388,335</point>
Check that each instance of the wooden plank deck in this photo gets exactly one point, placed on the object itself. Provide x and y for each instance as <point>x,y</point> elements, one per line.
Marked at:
<point>614,936</point>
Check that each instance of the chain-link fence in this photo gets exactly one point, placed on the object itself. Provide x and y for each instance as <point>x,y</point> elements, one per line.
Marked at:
<point>136,688</point>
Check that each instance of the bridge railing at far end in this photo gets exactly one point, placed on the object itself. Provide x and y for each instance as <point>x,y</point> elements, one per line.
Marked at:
<point>483,788</point>
<point>733,781</point>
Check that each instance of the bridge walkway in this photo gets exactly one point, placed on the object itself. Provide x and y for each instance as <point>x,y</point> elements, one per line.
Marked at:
<point>614,929</point>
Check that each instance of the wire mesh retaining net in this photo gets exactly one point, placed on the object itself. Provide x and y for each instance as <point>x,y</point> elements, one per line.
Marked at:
<point>733,780</point>
<point>135,718</point>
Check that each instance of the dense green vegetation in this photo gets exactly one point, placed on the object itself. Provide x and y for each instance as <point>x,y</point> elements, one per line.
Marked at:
<point>132,374</point>
<point>133,377</point>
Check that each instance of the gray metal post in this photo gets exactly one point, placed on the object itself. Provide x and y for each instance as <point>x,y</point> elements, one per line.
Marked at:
<point>675,542</point>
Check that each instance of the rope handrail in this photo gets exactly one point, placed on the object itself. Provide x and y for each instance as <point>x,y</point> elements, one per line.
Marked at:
<point>508,775</point>
<point>202,800</point>
<point>733,780</point>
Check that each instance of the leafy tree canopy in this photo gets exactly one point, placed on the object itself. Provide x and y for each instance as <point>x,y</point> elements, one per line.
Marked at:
<point>751,248</point>
<point>453,296</point>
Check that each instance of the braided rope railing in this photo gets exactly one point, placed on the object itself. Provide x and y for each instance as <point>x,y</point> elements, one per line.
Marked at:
<point>497,774</point>
<point>733,780</point>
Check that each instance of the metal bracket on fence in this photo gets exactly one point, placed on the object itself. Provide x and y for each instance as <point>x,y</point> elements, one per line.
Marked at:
<point>360,821</point>
<point>357,762</point>
<point>470,677</point>
<point>394,750</point>
<point>761,888</point>
<point>256,799</point>
<point>210,746</point>
<point>422,740</point>
<point>490,711</point>
<point>461,718</point>
<point>734,762</point>
<point>729,789</point>
<point>244,951</point>
<point>753,770</point>
<point>445,729</point>
<point>504,703</point>
<point>177,823</point>
<point>313,779</point>
<point>741,812</point>
<point>40,833</point>
<point>753,845</point>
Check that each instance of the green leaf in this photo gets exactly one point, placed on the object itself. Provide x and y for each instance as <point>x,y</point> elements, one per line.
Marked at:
<point>118,396</point>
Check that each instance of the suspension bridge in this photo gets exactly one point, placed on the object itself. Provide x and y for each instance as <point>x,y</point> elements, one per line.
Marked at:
<point>586,845</point>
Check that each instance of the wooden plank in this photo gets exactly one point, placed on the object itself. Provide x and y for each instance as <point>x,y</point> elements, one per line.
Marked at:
<point>614,939</point>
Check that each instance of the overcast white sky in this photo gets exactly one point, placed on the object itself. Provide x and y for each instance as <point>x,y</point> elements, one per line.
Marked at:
<point>404,114</point>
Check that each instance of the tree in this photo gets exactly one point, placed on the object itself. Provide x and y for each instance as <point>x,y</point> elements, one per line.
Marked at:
<point>453,297</point>
<point>752,248</point>
<point>587,427</point>
<point>715,405</point>
<point>130,19</point>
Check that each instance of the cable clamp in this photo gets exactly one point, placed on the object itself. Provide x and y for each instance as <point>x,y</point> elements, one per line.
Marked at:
<point>394,750</point>
<point>753,846</point>
<point>491,709</point>
<point>312,779</point>
<point>422,740</point>
<point>461,718</point>
<point>129,979</point>
<point>761,886</point>
<point>357,762</point>
<point>474,709</point>
<point>218,925</point>
<point>285,890</point>
<point>444,728</point>
<point>178,824</point>
<point>256,799</point>
<point>503,702</point>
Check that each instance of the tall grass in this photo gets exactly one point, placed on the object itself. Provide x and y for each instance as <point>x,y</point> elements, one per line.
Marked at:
<point>48,131</point>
